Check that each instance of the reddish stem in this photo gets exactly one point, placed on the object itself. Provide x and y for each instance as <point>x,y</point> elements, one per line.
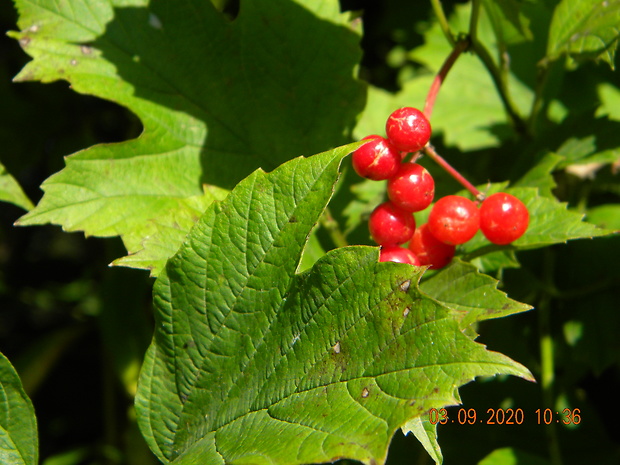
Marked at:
<point>460,46</point>
<point>430,151</point>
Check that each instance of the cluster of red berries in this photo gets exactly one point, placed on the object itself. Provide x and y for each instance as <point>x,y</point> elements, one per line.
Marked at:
<point>453,219</point>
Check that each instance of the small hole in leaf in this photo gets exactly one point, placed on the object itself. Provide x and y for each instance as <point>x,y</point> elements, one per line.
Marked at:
<point>336,347</point>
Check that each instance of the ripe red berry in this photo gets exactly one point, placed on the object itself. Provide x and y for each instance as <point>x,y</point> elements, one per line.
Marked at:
<point>430,250</point>
<point>454,219</point>
<point>389,225</point>
<point>412,188</point>
<point>394,253</point>
<point>503,218</point>
<point>408,129</point>
<point>376,160</point>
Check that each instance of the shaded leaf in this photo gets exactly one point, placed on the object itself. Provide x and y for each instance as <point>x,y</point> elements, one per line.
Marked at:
<point>609,96</point>
<point>209,93</point>
<point>319,365</point>
<point>11,191</point>
<point>511,456</point>
<point>585,29</point>
<point>18,425</point>
<point>510,25</point>
<point>540,175</point>
<point>605,216</point>
<point>367,195</point>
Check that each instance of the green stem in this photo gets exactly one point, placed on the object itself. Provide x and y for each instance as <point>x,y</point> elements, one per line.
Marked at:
<point>443,21</point>
<point>333,229</point>
<point>547,357</point>
<point>500,79</point>
<point>473,20</point>
<point>501,85</point>
<point>539,102</point>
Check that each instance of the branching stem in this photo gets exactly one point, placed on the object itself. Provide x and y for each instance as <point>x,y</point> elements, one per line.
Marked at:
<point>459,47</point>
<point>443,21</point>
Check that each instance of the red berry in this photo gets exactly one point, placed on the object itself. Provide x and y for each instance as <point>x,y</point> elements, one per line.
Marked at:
<point>412,188</point>
<point>430,250</point>
<point>389,225</point>
<point>394,253</point>
<point>376,160</point>
<point>454,219</point>
<point>503,218</point>
<point>408,129</point>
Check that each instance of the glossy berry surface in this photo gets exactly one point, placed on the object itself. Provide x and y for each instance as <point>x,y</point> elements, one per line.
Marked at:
<point>390,225</point>
<point>412,188</point>
<point>408,129</point>
<point>503,218</point>
<point>430,250</point>
<point>376,160</point>
<point>394,253</point>
<point>454,219</point>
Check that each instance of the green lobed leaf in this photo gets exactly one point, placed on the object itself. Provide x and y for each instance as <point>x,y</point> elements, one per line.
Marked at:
<point>209,93</point>
<point>585,29</point>
<point>471,295</point>
<point>18,425</point>
<point>252,363</point>
<point>159,238</point>
<point>11,191</point>
<point>426,433</point>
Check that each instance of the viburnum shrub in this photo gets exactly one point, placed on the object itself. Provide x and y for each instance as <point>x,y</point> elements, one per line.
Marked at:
<point>298,314</point>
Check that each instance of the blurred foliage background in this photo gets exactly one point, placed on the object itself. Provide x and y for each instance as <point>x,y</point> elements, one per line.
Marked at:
<point>76,329</point>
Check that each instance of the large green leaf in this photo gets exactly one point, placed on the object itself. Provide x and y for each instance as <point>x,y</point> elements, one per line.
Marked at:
<point>18,425</point>
<point>217,99</point>
<point>253,363</point>
<point>585,29</point>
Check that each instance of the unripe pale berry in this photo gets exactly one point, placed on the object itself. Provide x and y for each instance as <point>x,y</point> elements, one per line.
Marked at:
<point>412,188</point>
<point>503,218</point>
<point>376,160</point>
<point>408,129</point>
